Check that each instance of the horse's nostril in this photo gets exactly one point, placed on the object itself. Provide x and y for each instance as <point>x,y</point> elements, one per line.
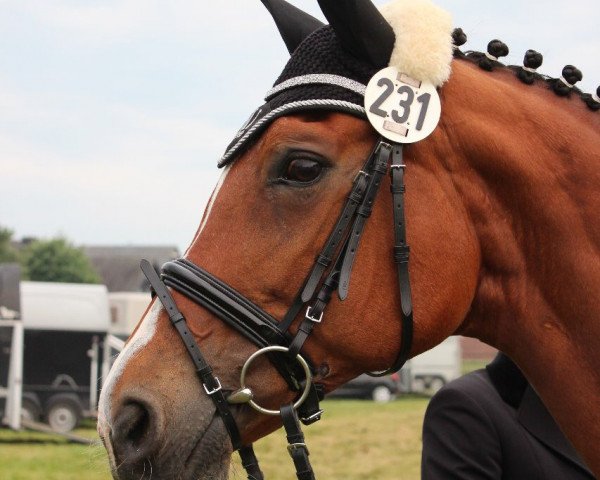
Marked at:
<point>134,433</point>
<point>138,423</point>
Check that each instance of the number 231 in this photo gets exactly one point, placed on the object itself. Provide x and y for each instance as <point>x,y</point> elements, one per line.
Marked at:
<point>405,103</point>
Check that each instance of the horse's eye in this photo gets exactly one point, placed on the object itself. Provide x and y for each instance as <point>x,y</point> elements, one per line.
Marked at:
<point>303,170</point>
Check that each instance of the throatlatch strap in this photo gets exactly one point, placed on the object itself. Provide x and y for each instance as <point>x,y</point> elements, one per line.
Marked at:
<point>401,255</point>
<point>296,445</point>
<point>211,384</point>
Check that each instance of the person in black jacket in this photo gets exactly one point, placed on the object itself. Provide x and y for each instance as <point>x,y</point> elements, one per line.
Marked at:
<point>490,424</point>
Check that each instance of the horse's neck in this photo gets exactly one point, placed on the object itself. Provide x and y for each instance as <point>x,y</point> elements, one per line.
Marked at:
<point>527,164</point>
<point>527,167</point>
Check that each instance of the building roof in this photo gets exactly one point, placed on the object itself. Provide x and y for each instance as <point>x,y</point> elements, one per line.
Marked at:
<point>119,266</point>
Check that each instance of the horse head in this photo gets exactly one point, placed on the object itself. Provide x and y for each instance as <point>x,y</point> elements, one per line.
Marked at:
<point>301,182</point>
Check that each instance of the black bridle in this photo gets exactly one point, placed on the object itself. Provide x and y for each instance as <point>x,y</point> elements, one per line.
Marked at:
<point>330,272</point>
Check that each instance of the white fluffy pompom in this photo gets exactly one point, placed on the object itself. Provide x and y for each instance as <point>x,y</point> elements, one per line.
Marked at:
<point>423,47</point>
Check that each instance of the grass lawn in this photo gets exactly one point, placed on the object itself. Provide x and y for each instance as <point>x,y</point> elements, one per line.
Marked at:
<point>471,365</point>
<point>355,440</point>
<point>32,455</point>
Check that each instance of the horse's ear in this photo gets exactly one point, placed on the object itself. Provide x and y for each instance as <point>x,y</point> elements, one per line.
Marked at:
<point>361,29</point>
<point>294,25</point>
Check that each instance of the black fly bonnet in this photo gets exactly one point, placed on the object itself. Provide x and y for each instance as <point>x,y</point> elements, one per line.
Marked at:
<point>320,75</point>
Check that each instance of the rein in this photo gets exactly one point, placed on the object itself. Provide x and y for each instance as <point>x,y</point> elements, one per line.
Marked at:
<point>330,273</point>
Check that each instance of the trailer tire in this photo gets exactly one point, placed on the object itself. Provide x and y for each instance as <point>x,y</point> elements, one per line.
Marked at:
<point>382,394</point>
<point>30,409</point>
<point>436,384</point>
<point>418,385</point>
<point>63,413</point>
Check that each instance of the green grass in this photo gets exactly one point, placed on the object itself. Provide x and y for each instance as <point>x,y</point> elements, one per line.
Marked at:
<point>355,440</point>
<point>471,365</point>
<point>32,455</point>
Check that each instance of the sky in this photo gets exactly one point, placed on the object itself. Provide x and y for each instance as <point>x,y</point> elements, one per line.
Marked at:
<point>113,114</point>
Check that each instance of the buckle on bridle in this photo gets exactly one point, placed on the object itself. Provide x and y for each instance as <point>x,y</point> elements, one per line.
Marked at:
<point>311,318</point>
<point>315,417</point>
<point>359,174</point>
<point>400,165</point>
<point>214,390</point>
<point>296,446</point>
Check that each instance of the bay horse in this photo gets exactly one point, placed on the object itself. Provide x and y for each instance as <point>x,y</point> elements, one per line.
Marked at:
<point>501,213</point>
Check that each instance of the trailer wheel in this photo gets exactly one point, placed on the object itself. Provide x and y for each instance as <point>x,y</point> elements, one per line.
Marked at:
<point>30,410</point>
<point>436,384</point>
<point>382,394</point>
<point>63,413</point>
<point>418,385</point>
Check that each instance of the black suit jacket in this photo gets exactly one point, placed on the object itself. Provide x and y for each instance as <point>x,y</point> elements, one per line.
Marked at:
<point>490,424</point>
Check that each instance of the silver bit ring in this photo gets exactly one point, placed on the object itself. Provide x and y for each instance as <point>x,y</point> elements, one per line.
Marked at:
<point>299,359</point>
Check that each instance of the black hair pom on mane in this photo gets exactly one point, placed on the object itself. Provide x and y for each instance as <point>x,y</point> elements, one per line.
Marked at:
<point>459,38</point>
<point>564,85</point>
<point>489,60</point>
<point>532,61</point>
<point>527,73</point>
<point>592,101</point>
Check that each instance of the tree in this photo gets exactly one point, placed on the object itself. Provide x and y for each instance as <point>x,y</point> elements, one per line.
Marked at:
<point>8,253</point>
<point>56,260</point>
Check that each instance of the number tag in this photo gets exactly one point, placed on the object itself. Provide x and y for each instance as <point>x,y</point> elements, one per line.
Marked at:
<point>400,108</point>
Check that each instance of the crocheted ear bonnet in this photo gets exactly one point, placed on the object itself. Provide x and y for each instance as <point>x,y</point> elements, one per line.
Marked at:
<point>330,65</point>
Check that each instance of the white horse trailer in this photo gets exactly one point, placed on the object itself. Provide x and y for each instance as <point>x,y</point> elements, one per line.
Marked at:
<point>126,310</point>
<point>11,333</point>
<point>65,326</point>
<point>431,370</point>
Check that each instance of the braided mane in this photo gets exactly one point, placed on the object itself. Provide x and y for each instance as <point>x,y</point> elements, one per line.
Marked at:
<point>564,86</point>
